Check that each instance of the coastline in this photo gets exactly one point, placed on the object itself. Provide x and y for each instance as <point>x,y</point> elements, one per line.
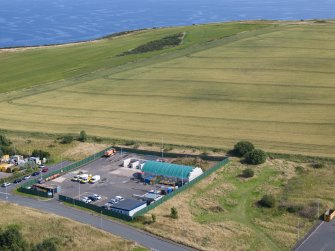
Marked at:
<point>128,32</point>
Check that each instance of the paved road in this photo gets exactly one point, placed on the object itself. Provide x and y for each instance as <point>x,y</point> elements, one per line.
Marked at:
<point>125,231</point>
<point>321,239</point>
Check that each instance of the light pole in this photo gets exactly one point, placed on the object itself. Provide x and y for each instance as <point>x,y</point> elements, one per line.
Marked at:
<point>6,194</point>
<point>162,149</point>
<point>79,190</point>
<point>101,219</point>
<point>318,208</point>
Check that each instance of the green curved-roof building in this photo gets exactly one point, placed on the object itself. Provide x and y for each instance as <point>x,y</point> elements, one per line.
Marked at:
<point>167,169</point>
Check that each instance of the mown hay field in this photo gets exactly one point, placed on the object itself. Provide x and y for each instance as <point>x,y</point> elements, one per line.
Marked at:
<point>273,86</point>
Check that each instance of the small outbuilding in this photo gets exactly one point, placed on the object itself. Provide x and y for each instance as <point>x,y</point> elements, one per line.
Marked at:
<point>128,206</point>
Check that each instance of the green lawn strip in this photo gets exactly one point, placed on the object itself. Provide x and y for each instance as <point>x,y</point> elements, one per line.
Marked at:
<point>245,197</point>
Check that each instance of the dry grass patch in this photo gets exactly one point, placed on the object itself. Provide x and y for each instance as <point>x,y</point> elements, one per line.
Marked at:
<point>72,235</point>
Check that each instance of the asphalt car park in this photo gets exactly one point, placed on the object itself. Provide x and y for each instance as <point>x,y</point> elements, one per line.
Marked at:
<point>115,180</point>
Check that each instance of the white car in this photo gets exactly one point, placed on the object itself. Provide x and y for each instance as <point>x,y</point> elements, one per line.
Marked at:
<point>86,200</point>
<point>119,198</point>
<point>6,184</point>
<point>97,196</point>
<point>112,201</point>
<point>26,177</point>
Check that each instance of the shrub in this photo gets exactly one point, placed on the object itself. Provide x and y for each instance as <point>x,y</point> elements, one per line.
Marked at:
<point>40,153</point>
<point>153,217</point>
<point>4,141</point>
<point>174,213</point>
<point>46,245</point>
<point>318,165</point>
<point>67,139</point>
<point>82,136</point>
<point>160,44</point>
<point>243,147</point>
<point>255,157</point>
<point>309,212</point>
<point>267,200</point>
<point>248,173</point>
<point>11,239</point>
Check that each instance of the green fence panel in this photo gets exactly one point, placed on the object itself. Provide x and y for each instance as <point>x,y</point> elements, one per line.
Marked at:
<point>34,192</point>
<point>95,208</point>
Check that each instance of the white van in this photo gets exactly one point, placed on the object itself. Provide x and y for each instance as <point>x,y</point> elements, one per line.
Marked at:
<point>95,178</point>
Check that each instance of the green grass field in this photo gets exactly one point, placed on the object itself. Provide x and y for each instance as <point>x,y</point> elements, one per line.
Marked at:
<point>221,212</point>
<point>271,84</point>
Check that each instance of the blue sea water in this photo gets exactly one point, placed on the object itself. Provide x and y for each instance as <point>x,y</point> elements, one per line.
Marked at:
<point>41,22</point>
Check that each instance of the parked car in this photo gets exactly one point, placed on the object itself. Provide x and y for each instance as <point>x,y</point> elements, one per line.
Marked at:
<point>17,181</point>
<point>36,173</point>
<point>85,199</point>
<point>41,166</point>
<point>92,198</point>
<point>119,198</point>
<point>6,184</point>
<point>97,196</point>
<point>112,201</point>
<point>26,177</point>
<point>45,169</point>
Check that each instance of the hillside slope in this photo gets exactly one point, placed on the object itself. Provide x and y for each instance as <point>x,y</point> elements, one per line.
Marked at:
<point>70,235</point>
<point>272,85</point>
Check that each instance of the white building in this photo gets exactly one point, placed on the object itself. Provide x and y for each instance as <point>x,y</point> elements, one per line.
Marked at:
<point>128,206</point>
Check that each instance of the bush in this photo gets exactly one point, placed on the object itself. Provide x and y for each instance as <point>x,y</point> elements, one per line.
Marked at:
<point>82,136</point>
<point>153,217</point>
<point>267,200</point>
<point>11,239</point>
<point>318,165</point>
<point>309,212</point>
<point>243,147</point>
<point>67,139</point>
<point>46,245</point>
<point>248,173</point>
<point>174,213</point>
<point>8,150</point>
<point>4,141</point>
<point>40,153</point>
<point>255,157</point>
<point>160,44</point>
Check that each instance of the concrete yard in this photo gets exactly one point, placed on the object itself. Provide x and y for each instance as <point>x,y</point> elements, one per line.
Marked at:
<point>115,179</point>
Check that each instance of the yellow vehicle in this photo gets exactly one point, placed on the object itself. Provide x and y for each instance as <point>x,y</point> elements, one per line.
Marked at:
<point>85,178</point>
<point>329,215</point>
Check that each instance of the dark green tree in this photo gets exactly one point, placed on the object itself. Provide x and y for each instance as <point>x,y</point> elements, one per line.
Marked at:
<point>12,240</point>
<point>267,200</point>
<point>4,141</point>
<point>243,147</point>
<point>174,213</point>
<point>82,136</point>
<point>255,157</point>
<point>67,139</point>
<point>40,153</point>
<point>248,173</point>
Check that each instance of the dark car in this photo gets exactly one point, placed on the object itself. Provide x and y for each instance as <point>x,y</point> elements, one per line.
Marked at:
<point>45,169</point>
<point>93,198</point>
<point>17,181</point>
<point>35,173</point>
